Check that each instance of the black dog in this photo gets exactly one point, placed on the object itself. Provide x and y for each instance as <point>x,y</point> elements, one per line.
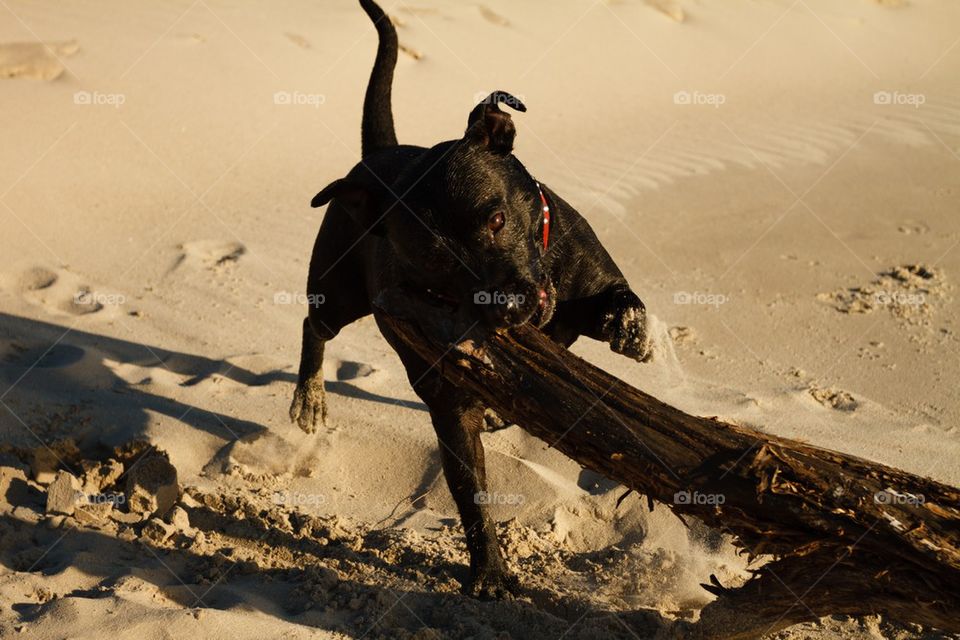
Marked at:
<point>465,223</point>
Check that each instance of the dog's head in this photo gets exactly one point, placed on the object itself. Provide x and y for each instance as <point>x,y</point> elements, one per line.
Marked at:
<point>464,220</point>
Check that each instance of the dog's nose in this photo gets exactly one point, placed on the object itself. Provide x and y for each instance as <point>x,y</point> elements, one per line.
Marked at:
<point>510,308</point>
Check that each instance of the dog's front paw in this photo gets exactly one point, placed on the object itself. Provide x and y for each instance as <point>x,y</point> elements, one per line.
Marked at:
<point>498,584</point>
<point>309,408</point>
<point>625,326</point>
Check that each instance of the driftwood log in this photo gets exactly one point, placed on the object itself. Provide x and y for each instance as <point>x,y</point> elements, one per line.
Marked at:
<point>843,535</point>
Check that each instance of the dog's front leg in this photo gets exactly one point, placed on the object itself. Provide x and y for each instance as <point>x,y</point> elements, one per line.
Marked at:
<point>309,407</point>
<point>623,323</point>
<point>615,315</point>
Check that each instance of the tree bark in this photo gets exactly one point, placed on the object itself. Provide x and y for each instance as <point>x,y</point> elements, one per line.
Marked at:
<point>845,535</point>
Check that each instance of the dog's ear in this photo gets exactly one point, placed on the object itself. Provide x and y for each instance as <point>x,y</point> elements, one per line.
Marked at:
<point>491,127</point>
<point>366,204</point>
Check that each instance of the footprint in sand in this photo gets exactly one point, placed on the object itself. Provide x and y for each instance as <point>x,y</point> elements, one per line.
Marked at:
<point>193,38</point>
<point>682,335</point>
<point>36,278</point>
<point>344,370</point>
<point>59,291</point>
<point>416,54</point>
<point>491,16</point>
<point>210,254</point>
<point>834,399</point>
<point>159,374</point>
<point>35,60</point>
<point>910,292</point>
<point>668,9</point>
<point>425,11</point>
<point>913,228</point>
<point>298,40</point>
<point>347,370</point>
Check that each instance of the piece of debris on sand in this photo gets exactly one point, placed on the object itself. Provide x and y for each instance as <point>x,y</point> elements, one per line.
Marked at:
<point>63,494</point>
<point>152,487</point>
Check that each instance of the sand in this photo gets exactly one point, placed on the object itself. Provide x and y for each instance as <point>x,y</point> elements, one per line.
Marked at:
<point>778,180</point>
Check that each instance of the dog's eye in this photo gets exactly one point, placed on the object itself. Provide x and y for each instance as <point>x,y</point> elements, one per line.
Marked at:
<point>496,222</point>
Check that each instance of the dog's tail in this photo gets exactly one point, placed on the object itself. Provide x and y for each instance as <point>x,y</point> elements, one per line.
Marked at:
<point>376,131</point>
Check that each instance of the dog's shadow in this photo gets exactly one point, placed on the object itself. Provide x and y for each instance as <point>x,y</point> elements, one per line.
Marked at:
<point>53,378</point>
<point>50,372</point>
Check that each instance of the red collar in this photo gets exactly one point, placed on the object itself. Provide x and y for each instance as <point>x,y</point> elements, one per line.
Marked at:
<point>546,217</point>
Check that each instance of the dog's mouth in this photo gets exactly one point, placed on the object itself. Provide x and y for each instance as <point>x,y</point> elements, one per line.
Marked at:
<point>546,304</point>
<point>499,309</point>
<point>516,304</point>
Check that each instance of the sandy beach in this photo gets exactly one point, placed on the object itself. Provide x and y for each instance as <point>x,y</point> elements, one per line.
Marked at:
<point>778,180</point>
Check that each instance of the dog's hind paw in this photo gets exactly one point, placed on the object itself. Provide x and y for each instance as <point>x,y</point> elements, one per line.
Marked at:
<point>625,327</point>
<point>493,585</point>
<point>308,409</point>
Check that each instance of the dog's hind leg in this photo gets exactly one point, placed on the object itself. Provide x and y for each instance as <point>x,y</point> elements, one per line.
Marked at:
<point>336,293</point>
<point>458,421</point>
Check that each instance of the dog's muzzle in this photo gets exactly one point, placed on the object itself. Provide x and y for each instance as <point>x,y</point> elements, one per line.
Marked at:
<point>517,305</point>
